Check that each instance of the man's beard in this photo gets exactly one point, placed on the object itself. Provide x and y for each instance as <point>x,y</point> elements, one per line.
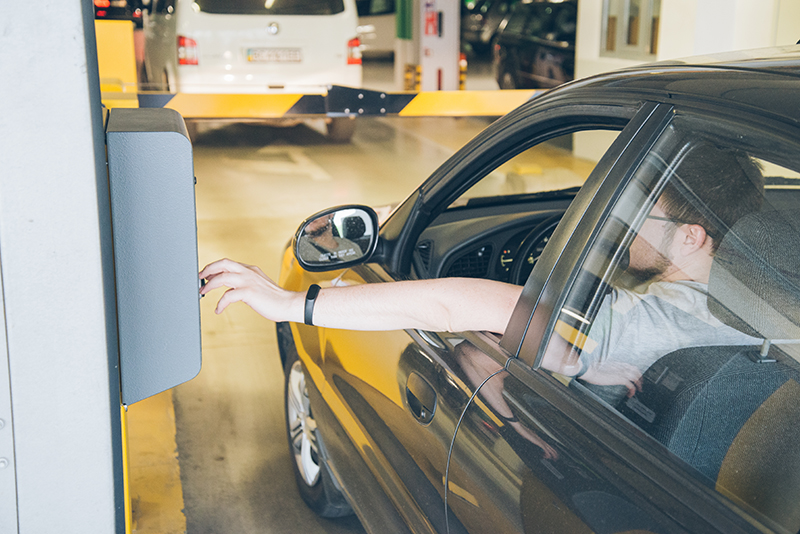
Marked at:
<point>647,274</point>
<point>319,231</point>
<point>658,265</point>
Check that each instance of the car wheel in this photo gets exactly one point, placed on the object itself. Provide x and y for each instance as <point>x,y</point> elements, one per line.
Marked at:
<point>341,129</point>
<point>314,481</point>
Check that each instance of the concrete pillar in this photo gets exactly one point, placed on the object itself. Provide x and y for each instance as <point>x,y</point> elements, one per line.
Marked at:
<point>59,398</point>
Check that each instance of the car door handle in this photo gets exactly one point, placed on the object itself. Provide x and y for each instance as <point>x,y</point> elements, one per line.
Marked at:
<point>421,398</point>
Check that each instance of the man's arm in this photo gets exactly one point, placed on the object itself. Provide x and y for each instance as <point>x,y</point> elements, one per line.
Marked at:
<point>445,304</point>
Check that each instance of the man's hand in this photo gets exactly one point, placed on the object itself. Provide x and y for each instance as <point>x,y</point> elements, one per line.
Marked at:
<point>612,373</point>
<point>249,284</point>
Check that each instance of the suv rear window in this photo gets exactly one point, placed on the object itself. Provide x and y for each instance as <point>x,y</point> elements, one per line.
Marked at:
<point>271,7</point>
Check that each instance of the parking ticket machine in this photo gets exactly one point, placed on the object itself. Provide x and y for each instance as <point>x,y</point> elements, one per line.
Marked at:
<point>151,187</point>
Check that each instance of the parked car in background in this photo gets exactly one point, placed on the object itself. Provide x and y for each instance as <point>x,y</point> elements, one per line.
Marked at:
<point>376,28</point>
<point>480,20</point>
<point>535,45</point>
<point>419,431</point>
<point>248,46</point>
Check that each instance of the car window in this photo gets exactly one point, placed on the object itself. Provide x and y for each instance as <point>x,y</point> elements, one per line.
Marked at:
<point>560,163</point>
<point>367,8</point>
<point>276,7</point>
<point>684,314</point>
<point>498,228</point>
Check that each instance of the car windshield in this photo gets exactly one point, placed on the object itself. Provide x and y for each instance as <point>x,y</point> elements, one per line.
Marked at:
<point>271,7</point>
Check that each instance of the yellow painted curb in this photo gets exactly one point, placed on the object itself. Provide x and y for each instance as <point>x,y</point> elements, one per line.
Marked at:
<point>156,493</point>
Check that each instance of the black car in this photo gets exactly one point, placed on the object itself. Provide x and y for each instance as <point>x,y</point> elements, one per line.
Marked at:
<point>535,45</point>
<point>419,431</point>
<point>480,20</point>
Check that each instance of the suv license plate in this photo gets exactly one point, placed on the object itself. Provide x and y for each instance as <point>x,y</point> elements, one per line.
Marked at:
<point>274,55</point>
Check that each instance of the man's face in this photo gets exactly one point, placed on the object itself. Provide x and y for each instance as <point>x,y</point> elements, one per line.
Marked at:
<point>650,255</point>
<point>317,227</point>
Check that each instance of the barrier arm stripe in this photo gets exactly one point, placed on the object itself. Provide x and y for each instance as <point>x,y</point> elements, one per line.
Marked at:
<point>466,103</point>
<point>340,102</point>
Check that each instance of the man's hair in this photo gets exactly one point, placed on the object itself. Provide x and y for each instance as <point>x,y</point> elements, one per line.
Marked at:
<point>714,188</point>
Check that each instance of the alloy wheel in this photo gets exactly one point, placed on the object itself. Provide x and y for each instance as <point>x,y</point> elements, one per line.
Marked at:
<point>302,426</point>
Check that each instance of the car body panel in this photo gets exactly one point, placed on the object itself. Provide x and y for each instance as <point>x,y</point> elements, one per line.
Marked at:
<point>377,27</point>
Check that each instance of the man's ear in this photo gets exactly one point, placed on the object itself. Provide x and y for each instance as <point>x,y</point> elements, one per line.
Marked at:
<point>694,238</point>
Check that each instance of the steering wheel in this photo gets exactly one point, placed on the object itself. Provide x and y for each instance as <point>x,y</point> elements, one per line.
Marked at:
<point>531,248</point>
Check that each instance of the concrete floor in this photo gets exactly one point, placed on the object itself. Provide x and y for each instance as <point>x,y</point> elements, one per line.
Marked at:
<point>224,465</point>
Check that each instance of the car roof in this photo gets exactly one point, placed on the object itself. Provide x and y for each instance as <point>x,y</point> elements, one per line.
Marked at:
<point>765,81</point>
<point>785,59</point>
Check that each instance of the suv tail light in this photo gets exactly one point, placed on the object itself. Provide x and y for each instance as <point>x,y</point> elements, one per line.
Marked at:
<point>354,51</point>
<point>187,51</point>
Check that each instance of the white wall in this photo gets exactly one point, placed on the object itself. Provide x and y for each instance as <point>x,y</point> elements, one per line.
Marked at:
<point>694,27</point>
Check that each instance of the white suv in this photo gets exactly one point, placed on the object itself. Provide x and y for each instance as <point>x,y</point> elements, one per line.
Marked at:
<point>251,46</point>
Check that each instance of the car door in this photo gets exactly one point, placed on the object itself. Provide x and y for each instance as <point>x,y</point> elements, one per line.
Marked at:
<point>571,458</point>
<point>401,394</point>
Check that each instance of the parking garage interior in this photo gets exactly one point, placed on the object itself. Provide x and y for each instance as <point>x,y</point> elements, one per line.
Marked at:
<point>210,455</point>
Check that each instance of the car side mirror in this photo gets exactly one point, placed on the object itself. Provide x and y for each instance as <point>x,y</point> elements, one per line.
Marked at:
<point>336,238</point>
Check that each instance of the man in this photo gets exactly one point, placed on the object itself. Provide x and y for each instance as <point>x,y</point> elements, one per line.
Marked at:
<point>671,255</point>
<point>673,252</point>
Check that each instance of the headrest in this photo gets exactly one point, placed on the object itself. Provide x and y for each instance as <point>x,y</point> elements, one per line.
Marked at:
<point>354,227</point>
<point>754,284</point>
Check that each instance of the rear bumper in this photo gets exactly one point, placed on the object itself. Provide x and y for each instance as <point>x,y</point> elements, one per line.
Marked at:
<point>191,80</point>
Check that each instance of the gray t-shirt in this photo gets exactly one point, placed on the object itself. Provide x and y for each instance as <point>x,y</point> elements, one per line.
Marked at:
<point>640,328</point>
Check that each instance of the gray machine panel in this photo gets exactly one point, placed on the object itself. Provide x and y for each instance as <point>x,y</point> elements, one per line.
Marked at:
<point>151,177</point>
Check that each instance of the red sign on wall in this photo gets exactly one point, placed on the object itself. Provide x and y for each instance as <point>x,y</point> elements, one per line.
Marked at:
<point>431,23</point>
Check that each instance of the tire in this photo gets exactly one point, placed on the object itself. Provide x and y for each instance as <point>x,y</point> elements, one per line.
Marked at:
<point>341,129</point>
<point>314,480</point>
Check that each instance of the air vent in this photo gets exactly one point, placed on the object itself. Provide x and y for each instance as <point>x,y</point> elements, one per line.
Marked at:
<point>474,264</point>
<point>424,251</point>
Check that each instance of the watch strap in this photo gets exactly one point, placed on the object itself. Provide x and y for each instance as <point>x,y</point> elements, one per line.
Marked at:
<point>311,299</point>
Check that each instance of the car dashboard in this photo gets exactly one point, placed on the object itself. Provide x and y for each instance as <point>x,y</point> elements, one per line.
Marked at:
<point>497,238</point>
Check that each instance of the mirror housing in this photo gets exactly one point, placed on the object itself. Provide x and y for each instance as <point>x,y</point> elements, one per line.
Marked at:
<point>336,238</point>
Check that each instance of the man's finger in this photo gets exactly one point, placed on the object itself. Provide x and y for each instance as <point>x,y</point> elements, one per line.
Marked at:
<point>231,280</point>
<point>220,266</point>
<point>228,298</point>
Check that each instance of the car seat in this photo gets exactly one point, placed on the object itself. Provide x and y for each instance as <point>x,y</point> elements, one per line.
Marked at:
<point>733,412</point>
